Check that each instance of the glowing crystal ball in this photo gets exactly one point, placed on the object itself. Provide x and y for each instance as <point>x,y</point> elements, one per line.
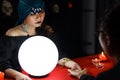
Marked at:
<point>38,56</point>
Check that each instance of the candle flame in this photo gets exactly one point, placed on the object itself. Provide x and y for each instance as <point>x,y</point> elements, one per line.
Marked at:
<point>102,56</point>
<point>102,53</point>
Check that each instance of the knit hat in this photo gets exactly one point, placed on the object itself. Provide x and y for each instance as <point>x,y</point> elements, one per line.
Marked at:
<point>25,6</point>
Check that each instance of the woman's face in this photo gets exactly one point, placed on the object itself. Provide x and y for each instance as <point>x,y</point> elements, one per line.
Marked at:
<point>35,20</point>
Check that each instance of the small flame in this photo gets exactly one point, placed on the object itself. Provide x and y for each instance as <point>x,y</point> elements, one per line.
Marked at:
<point>102,53</point>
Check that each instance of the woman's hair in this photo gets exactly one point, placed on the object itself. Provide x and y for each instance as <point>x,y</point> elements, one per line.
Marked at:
<point>110,24</point>
<point>44,31</point>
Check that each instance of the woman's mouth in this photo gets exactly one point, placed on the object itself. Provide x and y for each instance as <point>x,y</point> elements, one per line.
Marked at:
<point>38,22</point>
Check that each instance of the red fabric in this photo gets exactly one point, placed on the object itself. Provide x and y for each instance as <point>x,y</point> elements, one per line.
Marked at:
<point>86,62</point>
<point>61,73</point>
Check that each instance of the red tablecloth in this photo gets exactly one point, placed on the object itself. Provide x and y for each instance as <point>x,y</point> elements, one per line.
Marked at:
<point>61,73</point>
<point>86,62</point>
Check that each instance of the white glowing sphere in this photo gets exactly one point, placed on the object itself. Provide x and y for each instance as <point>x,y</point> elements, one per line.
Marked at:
<point>38,56</point>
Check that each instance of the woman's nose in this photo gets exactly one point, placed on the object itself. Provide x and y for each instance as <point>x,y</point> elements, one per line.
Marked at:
<point>38,15</point>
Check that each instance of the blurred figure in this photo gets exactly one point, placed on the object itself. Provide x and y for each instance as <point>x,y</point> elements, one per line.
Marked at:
<point>8,15</point>
<point>109,38</point>
<point>7,8</point>
<point>56,8</point>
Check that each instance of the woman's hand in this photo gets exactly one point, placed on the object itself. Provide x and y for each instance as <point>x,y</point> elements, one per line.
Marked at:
<point>11,73</point>
<point>69,63</point>
<point>78,73</point>
<point>72,65</point>
<point>21,76</point>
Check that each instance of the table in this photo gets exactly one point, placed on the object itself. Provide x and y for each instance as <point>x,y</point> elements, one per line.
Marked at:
<point>86,62</point>
<point>61,73</point>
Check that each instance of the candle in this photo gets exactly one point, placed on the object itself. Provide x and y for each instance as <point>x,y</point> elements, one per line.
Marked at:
<point>1,75</point>
<point>100,65</point>
<point>102,56</point>
<point>95,61</point>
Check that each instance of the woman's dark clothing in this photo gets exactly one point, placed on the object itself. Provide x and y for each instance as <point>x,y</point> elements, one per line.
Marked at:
<point>112,74</point>
<point>9,47</point>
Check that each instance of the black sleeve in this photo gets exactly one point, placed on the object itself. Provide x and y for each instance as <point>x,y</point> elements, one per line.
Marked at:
<point>111,74</point>
<point>4,54</point>
<point>87,77</point>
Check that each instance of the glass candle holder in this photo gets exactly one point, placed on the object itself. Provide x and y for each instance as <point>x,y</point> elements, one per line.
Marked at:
<point>100,65</point>
<point>95,61</point>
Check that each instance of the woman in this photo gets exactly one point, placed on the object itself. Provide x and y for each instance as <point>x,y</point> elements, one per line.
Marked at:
<point>109,38</point>
<point>31,14</point>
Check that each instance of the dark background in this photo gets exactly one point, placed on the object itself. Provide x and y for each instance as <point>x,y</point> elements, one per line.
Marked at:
<point>75,25</point>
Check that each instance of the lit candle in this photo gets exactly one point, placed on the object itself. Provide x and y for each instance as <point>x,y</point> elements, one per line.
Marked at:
<point>1,75</point>
<point>102,57</point>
